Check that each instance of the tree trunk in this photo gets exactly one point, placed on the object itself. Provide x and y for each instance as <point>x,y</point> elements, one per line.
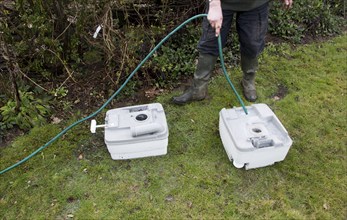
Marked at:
<point>15,88</point>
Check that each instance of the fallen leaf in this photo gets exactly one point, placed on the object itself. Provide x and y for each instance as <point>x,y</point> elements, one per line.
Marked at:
<point>153,92</point>
<point>276,98</point>
<point>80,157</point>
<point>56,120</point>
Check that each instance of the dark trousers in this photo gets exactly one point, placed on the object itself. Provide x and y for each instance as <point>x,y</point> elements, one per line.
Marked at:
<point>251,27</point>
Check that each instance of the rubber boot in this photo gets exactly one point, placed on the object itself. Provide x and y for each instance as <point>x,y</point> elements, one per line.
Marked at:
<point>198,89</point>
<point>249,68</point>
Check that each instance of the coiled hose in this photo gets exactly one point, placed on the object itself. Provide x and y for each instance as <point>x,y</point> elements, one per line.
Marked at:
<point>124,84</point>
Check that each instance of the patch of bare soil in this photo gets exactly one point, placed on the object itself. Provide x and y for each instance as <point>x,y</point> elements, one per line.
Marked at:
<point>281,92</point>
<point>93,93</point>
<point>9,136</point>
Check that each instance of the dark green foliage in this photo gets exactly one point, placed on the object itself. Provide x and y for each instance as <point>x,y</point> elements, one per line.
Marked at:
<point>307,18</point>
<point>177,57</point>
<point>32,111</point>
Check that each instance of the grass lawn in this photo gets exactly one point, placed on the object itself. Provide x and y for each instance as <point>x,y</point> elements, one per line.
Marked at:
<point>306,88</point>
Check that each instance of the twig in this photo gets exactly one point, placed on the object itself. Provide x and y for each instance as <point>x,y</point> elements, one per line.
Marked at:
<point>20,71</point>
<point>65,29</point>
<point>66,68</point>
<point>122,64</point>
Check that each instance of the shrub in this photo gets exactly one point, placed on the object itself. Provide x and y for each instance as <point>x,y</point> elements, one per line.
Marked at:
<point>313,18</point>
<point>32,112</point>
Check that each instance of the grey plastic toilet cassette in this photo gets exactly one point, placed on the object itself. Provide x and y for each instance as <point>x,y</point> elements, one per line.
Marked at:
<point>136,131</point>
<point>254,140</point>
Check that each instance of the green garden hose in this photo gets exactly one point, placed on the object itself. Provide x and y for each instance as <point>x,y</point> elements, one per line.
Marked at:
<point>124,84</point>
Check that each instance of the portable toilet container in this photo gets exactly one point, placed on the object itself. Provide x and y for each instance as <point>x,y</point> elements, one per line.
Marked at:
<point>254,140</point>
<point>136,131</point>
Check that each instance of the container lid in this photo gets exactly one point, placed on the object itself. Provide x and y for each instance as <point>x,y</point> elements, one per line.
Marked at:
<point>136,124</point>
